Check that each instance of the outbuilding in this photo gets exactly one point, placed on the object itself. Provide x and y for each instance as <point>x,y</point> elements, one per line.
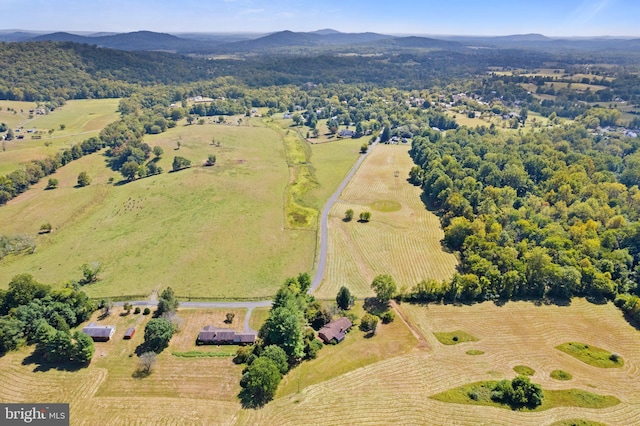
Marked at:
<point>99,333</point>
<point>129,333</point>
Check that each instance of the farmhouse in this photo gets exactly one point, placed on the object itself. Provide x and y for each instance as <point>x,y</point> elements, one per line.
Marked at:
<point>99,333</point>
<point>212,335</point>
<point>347,133</point>
<point>335,330</point>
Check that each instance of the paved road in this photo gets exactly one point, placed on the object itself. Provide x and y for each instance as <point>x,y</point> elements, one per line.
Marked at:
<point>324,218</point>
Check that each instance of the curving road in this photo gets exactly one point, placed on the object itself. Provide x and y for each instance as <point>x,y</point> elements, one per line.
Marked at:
<point>317,278</point>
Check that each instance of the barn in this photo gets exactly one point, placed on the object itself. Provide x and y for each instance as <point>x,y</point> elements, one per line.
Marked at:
<point>99,333</point>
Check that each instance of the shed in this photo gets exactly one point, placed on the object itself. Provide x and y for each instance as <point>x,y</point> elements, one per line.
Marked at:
<point>129,333</point>
<point>99,333</point>
<point>335,330</point>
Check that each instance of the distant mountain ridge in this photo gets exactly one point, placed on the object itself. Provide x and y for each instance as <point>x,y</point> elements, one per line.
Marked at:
<point>290,41</point>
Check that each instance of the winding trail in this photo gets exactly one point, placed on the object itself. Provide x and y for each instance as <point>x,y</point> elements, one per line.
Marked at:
<point>317,278</point>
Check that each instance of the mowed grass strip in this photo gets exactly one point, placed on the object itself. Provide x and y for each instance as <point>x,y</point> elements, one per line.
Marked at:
<point>592,355</point>
<point>454,337</point>
<point>213,232</point>
<point>404,243</point>
<point>552,398</point>
<point>474,352</point>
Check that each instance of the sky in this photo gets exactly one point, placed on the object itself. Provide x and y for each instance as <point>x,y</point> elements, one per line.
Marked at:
<point>561,18</point>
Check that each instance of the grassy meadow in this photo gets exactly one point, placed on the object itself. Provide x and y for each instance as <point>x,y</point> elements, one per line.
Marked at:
<point>403,242</point>
<point>81,118</point>
<point>209,232</point>
<point>206,231</point>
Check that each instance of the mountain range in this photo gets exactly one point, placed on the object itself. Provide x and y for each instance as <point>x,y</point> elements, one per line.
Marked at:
<point>202,43</point>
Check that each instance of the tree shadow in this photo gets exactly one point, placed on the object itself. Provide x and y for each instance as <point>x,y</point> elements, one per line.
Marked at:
<point>374,306</point>
<point>42,365</point>
<point>141,373</point>
<point>248,401</point>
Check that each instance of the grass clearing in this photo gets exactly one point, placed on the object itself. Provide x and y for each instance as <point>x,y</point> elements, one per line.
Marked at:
<point>229,351</point>
<point>404,243</point>
<point>454,337</point>
<point>552,398</point>
<point>220,226</point>
<point>560,375</point>
<point>524,370</point>
<point>592,355</point>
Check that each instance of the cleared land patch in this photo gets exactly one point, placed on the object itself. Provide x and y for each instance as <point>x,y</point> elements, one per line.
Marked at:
<point>404,243</point>
<point>592,355</point>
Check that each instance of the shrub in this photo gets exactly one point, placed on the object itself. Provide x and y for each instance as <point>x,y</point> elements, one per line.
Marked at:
<point>146,311</point>
<point>388,317</point>
<point>136,310</point>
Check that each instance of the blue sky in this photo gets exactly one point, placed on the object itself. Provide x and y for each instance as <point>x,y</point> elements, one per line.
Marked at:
<point>464,17</point>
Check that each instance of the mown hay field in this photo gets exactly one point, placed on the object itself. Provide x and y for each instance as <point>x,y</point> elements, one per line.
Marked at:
<point>397,389</point>
<point>205,231</point>
<point>81,118</point>
<point>179,391</point>
<point>401,239</point>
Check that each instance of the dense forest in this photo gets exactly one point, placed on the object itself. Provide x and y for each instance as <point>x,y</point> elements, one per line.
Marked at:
<point>550,214</point>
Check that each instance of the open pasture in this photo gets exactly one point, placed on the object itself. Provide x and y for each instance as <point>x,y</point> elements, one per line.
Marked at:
<point>214,232</point>
<point>518,333</point>
<point>404,243</point>
<point>81,118</point>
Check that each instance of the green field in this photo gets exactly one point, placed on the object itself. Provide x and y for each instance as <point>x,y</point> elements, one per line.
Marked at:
<point>209,232</point>
<point>82,119</point>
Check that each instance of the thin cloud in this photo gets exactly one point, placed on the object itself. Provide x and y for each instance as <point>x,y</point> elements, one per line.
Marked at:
<point>588,10</point>
<point>252,11</point>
